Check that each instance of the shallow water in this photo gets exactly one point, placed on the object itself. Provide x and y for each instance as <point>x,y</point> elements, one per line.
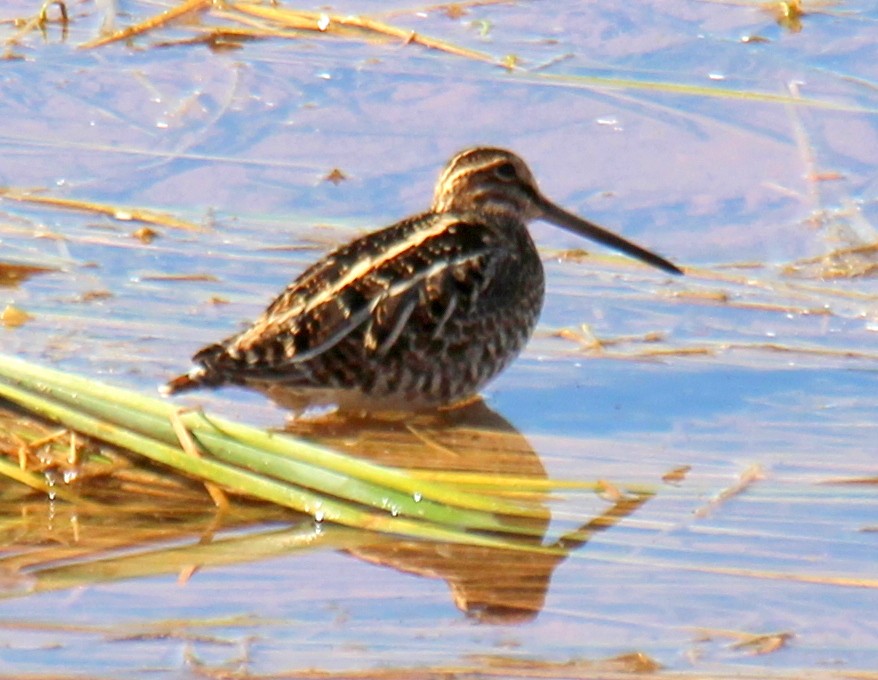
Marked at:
<point>758,363</point>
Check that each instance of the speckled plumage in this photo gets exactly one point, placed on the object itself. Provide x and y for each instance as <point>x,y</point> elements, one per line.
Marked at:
<point>419,314</point>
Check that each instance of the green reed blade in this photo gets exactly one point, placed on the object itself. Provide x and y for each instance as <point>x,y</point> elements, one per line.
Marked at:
<point>74,389</point>
<point>435,524</point>
<point>234,451</point>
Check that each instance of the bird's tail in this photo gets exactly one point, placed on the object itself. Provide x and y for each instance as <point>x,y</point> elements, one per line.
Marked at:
<point>202,375</point>
<point>183,383</point>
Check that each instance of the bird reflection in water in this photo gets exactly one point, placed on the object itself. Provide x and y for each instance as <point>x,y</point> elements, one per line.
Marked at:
<point>488,584</point>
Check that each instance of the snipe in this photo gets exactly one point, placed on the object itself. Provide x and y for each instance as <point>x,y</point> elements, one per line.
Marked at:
<point>419,314</point>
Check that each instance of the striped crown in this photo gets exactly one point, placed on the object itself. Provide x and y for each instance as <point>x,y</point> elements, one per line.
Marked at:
<point>487,181</point>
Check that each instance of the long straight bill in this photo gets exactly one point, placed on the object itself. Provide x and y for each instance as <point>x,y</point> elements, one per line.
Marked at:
<point>560,217</point>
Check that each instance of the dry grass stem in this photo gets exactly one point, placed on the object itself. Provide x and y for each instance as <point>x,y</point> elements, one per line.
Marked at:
<point>12,274</point>
<point>750,476</point>
<point>353,26</point>
<point>187,443</point>
<point>121,213</point>
<point>161,19</point>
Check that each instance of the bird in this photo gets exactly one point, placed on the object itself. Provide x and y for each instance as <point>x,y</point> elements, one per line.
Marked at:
<point>418,315</point>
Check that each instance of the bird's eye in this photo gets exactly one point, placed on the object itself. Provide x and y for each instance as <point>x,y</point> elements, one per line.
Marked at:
<point>506,172</point>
